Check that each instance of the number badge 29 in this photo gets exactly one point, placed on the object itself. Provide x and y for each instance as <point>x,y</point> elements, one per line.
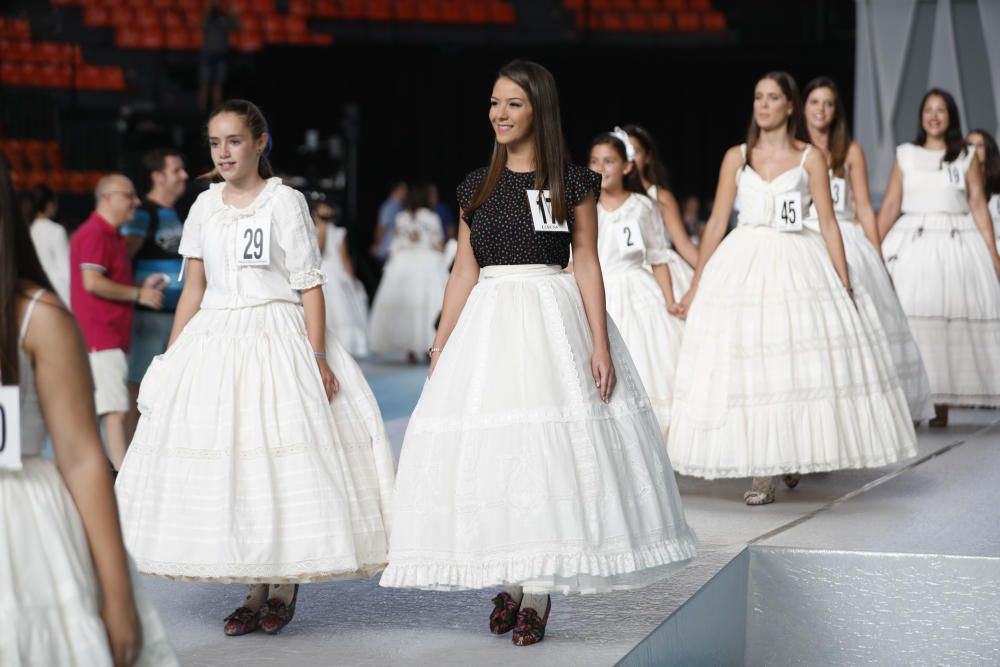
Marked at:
<point>540,202</point>
<point>630,241</point>
<point>788,212</point>
<point>253,241</point>
<point>10,428</point>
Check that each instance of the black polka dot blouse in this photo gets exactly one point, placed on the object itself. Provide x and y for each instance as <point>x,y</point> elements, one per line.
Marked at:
<point>502,228</point>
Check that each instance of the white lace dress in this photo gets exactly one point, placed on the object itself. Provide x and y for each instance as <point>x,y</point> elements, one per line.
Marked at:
<point>681,273</point>
<point>409,297</point>
<point>49,589</point>
<point>241,469</point>
<point>626,237</point>
<point>779,372</point>
<point>868,272</point>
<point>945,279</point>
<point>346,300</point>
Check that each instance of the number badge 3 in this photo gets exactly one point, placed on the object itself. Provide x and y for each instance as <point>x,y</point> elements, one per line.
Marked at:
<point>253,241</point>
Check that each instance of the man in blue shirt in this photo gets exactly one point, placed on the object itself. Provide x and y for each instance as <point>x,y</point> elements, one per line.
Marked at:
<point>152,237</point>
<point>387,213</point>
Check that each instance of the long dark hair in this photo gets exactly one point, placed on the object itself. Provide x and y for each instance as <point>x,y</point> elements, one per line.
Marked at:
<point>991,166</point>
<point>953,138</point>
<point>632,180</point>
<point>551,155</point>
<point>796,120</point>
<point>257,125</point>
<point>840,136</point>
<point>18,261</point>
<point>654,170</point>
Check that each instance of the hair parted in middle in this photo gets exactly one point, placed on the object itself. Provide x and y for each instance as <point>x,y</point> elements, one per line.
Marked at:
<point>551,155</point>
<point>256,123</point>
<point>840,136</point>
<point>953,138</point>
<point>796,120</point>
<point>632,182</point>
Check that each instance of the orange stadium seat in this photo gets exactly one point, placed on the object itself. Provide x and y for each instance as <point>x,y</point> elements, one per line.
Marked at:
<point>688,21</point>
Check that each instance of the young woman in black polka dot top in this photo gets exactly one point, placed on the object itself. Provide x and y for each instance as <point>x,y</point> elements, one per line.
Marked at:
<point>524,465</point>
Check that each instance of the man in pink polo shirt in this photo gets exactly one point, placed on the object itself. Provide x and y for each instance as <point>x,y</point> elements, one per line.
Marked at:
<point>102,296</point>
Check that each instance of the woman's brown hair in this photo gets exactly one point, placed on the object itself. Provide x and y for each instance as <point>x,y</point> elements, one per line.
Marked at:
<point>257,125</point>
<point>840,136</point>
<point>550,147</point>
<point>632,181</point>
<point>18,262</point>
<point>796,122</point>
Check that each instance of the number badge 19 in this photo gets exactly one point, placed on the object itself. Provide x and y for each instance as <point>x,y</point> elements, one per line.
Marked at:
<point>788,212</point>
<point>956,178</point>
<point>10,428</point>
<point>253,241</point>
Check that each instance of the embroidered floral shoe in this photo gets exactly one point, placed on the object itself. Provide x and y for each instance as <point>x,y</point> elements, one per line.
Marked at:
<point>761,491</point>
<point>530,629</point>
<point>241,622</point>
<point>275,614</point>
<point>504,614</point>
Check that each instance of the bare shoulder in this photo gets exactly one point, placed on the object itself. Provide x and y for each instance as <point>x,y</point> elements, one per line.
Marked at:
<point>51,323</point>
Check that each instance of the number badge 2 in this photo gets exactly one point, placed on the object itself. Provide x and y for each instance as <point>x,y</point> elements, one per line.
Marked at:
<point>10,428</point>
<point>540,203</point>
<point>788,212</point>
<point>630,241</point>
<point>253,241</point>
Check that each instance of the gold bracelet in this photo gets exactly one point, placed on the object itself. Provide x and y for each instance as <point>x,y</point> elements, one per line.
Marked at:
<point>432,350</point>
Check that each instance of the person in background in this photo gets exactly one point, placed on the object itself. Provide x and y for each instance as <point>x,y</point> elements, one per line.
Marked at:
<point>387,213</point>
<point>102,296</point>
<point>152,238</point>
<point>49,238</point>
<point>444,212</point>
<point>694,224</point>
<point>215,27</point>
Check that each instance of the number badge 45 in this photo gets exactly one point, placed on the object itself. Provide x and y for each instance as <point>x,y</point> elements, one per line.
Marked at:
<point>788,212</point>
<point>253,241</point>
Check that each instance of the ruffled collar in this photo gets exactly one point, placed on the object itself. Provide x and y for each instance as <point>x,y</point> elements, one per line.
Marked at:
<point>263,197</point>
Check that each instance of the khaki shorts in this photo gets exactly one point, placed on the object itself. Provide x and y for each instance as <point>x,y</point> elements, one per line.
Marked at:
<point>110,371</point>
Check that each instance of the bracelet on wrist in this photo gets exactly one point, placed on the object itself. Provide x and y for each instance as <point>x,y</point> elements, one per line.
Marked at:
<point>136,293</point>
<point>432,350</point>
<point>319,355</point>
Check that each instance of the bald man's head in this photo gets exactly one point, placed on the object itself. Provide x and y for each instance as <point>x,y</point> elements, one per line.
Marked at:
<point>116,199</point>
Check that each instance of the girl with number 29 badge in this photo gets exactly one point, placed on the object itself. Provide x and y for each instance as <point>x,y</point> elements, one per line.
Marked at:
<point>241,470</point>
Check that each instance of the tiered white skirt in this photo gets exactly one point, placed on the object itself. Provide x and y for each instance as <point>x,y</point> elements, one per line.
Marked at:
<point>949,290</point>
<point>50,596</point>
<point>241,470</point>
<point>408,302</point>
<point>779,372</point>
<point>347,312</point>
<point>652,335</point>
<point>867,271</point>
<point>513,471</point>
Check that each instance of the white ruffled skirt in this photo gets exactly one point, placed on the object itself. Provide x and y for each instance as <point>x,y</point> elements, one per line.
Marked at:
<point>50,596</point>
<point>513,471</point>
<point>779,372</point>
<point>408,302</point>
<point>950,293</point>
<point>867,271</point>
<point>347,312</point>
<point>652,335</point>
<point>241,470</point>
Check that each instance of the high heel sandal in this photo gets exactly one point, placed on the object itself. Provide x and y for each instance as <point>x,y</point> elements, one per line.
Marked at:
<point>760,496</point>
<point>504,614</point>
<point>276,614</point>
<point>530,629</point>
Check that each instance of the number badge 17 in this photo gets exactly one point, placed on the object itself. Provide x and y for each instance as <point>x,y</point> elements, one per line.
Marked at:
<point>253,241</point>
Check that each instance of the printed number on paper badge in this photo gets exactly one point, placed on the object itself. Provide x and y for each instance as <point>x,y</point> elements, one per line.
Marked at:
<point>540,202</point>
<point>629,238</point>
<point>838,190</point>
<point>253,242</point>
<point>788,212</point>
<point>10,429</point>
<point>956,178</point>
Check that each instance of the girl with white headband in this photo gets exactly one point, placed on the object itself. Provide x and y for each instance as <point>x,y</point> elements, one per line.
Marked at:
<point>641,303</point>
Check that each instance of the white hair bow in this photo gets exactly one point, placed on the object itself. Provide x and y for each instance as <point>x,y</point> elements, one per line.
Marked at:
<point>623,136</point>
